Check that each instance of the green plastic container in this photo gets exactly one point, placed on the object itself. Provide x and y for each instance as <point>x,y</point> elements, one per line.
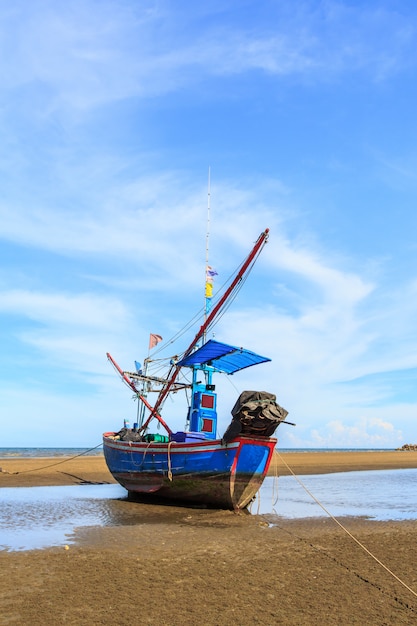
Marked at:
<point>157,438</point>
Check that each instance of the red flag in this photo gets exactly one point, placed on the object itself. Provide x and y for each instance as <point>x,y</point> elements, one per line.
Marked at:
<point>154,340</point>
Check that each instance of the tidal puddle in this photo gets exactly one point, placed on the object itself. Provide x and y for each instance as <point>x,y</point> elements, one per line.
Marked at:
<point>42,517</point>
<point>379,495</point>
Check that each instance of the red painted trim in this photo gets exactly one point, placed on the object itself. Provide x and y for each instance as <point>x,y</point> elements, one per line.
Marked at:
<point>190,447</point>
<point>175,447</point>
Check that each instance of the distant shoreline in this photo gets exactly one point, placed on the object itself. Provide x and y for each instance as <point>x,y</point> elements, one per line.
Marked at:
<point>55,471</point>
<point>340,461</point>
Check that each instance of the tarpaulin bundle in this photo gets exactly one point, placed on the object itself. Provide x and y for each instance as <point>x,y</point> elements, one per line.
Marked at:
<point>255,413</point>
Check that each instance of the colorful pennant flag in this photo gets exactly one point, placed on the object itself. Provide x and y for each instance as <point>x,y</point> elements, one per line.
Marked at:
<point>209,290</point>
<point>154,340</point>
<point>210,274</point>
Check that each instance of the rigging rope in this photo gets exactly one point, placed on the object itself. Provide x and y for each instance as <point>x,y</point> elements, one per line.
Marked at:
<point>201,312</point>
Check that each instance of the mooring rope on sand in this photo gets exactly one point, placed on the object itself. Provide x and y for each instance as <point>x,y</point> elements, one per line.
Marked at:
<point>387,569</point>
<point>37,469</point>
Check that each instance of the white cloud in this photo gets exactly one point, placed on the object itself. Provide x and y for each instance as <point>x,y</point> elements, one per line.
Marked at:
<point>73,310</point>
<point>85,58</point>
<point>357,433</point>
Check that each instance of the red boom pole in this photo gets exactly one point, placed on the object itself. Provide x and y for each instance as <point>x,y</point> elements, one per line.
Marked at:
<point>128,381</point>
<point>261,241</point>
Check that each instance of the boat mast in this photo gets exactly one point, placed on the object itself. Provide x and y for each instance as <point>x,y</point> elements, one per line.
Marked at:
<point>261,241</point>
<point>206,286</point>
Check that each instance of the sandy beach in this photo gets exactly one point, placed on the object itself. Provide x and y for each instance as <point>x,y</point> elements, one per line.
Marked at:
<point>27,472</point>
<point>185,566</point>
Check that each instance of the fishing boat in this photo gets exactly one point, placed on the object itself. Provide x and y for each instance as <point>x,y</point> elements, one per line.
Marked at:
<point>196,466</point>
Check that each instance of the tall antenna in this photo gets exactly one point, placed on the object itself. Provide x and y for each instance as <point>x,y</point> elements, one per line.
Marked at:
<point>207,285</point>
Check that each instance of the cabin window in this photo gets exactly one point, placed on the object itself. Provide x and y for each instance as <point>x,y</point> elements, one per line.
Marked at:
<point>207,402</point>
<point>207,426</point>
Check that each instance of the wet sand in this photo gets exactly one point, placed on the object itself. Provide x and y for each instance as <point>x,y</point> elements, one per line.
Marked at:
<point>183,566</point>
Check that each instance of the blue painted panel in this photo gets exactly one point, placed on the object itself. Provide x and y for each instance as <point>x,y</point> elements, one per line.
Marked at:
<point>150,460</point>
<point>223,357</point>
<point>252,458</point>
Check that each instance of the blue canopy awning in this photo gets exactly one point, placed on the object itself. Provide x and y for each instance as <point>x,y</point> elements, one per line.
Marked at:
<point>225,358</point>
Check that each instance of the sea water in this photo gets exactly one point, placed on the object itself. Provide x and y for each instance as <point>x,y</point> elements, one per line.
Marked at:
<point>27,453</point>
<point>42,517</point>
<point>380,495</point>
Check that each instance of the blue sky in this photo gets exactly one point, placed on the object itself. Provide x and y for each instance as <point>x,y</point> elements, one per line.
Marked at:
<point>111,115</point>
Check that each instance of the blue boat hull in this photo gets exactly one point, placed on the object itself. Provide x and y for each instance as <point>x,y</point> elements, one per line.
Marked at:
<point>208,472</point>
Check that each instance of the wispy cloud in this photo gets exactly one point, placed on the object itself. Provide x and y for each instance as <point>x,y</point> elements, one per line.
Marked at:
<point>70,309</point>
<point>84,58</point>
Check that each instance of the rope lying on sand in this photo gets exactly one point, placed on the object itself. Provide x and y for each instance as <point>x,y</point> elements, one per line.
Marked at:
<point>36,469</point>
<point>345,529</point>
